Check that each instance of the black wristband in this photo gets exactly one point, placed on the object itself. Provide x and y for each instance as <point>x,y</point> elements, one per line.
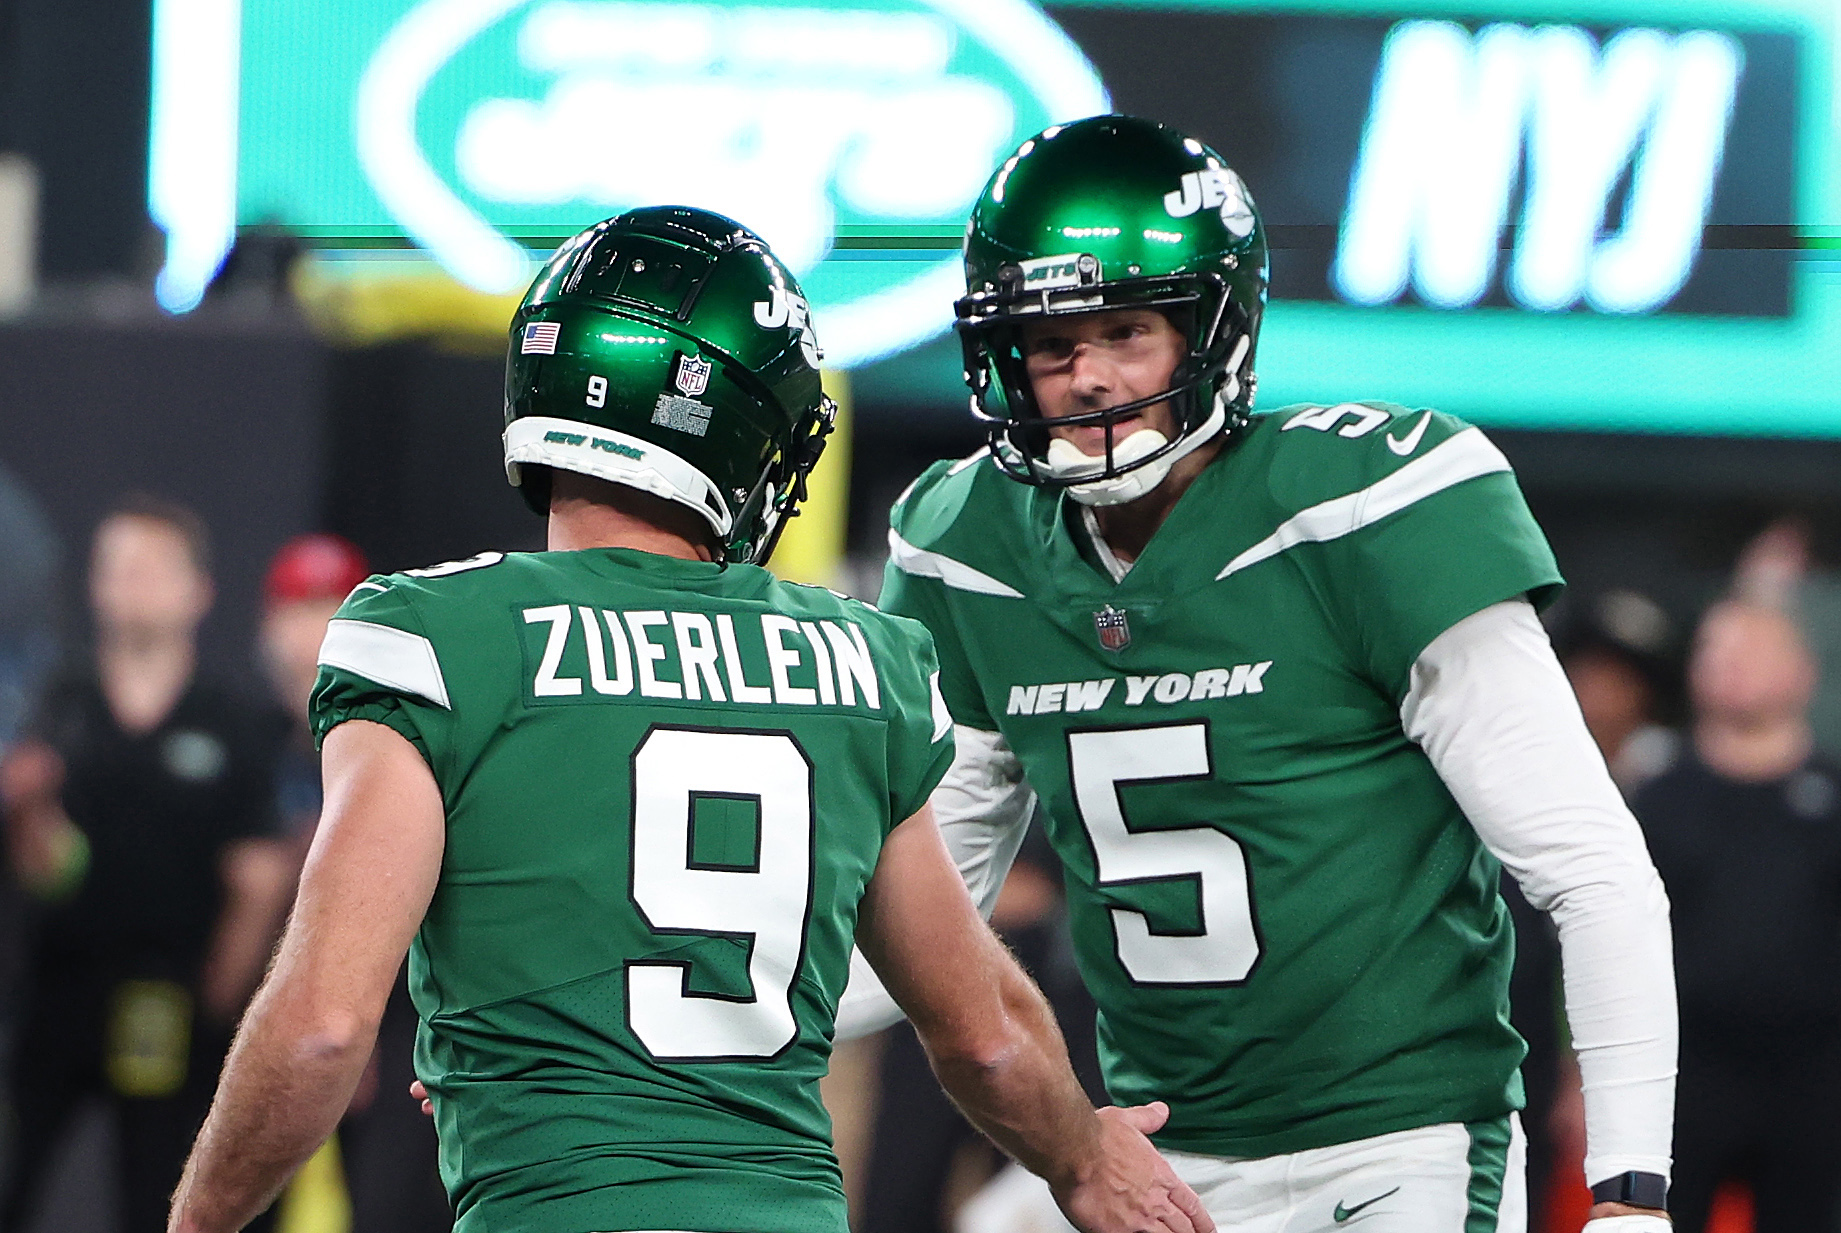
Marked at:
<point>1634,1189</point>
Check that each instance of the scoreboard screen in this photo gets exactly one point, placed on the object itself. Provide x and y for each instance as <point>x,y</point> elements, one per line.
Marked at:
<point>468,138</point>
<point>1590,215</point>
<point>1614,214</point>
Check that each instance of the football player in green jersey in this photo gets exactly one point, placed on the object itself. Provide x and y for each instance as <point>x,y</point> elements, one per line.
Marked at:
<point>1279,687</point>
<point>628,802</point>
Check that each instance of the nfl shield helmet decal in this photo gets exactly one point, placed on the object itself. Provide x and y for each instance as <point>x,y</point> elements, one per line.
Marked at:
<point>693,375</point>
<point>1113,630</point>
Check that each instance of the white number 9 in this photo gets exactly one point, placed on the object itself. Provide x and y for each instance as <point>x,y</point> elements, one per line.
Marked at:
<point>597,391</point>
<point>765,908</point>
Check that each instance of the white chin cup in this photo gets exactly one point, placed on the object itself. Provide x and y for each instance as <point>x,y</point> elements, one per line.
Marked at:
<point>1066,462</point>
<point>1628,1224</point>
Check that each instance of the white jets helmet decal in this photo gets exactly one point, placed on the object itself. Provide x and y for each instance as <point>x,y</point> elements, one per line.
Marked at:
<point>1213,187</point>
<point>786,309</point>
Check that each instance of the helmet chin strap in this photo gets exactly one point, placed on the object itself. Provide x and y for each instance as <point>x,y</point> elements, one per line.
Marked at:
<point>1065,461</point>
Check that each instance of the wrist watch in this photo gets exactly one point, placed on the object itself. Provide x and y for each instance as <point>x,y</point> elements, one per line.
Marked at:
<point>1633,1188</point>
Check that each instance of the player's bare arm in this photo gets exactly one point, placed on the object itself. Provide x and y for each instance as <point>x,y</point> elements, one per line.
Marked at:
<point>997,1051</point>
<point>300,1051</point>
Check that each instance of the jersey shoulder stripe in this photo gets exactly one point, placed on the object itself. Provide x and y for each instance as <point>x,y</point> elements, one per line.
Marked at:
<point>1465,455</point>
<point>1312,452</point>
<point>956,574</point>
<point>394,658</point>
<point>964,525</point>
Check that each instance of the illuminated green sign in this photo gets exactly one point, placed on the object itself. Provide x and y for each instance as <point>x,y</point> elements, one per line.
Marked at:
<point>1560,213</point>
<point>1592,214</point>
<point>852,134</point>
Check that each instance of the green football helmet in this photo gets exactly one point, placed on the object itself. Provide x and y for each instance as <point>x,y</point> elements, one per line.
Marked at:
<point>1106,213</point>
<point>669,350</point>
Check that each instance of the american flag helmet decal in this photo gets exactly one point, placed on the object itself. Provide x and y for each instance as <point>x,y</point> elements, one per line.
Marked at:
<point>540,338</point>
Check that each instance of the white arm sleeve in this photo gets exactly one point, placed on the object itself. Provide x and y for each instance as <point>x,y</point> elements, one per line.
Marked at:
<point>982,808</point>
<point>1492,709</point>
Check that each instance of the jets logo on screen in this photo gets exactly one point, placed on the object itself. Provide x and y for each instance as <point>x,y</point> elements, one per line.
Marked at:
<point>483,130</point>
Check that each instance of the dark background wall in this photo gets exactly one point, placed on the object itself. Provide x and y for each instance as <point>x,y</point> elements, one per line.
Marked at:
<point>267,432</point>
<point>416,473</point>
<point>73,98</point>
<point>224,416</point>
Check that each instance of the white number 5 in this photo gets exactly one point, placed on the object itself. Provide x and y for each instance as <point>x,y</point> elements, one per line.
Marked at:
<point>1224,951</point>
<point>767,904</point>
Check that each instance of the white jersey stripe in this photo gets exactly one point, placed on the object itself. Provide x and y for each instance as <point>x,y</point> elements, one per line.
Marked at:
<point>942,718</point>
<point>970,460</point>
<point>391,657</point>
<point>955,574</point>
<point>1464,456</point>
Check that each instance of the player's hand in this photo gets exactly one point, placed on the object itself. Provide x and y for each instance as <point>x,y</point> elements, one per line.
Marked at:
<point>1127,1187</point>
<point>418,1092</point>
<point>1623,1218</point>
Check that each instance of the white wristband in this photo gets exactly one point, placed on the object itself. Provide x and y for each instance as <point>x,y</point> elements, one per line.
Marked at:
<point>1629,1224</point>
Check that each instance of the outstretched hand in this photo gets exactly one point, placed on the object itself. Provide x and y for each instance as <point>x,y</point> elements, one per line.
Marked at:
<point>1623,1218</point>
<point>1127,1187</point>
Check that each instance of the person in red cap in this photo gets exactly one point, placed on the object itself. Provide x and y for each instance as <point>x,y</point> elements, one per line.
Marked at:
<point>386,1148</point>
<point>307,581</point>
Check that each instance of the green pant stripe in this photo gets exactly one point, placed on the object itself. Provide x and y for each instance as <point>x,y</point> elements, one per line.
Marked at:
<point>1489,1164</point>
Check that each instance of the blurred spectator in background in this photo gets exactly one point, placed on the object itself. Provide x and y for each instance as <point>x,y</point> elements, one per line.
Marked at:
<point>1780,568</point>
<point>1620,658</point>
<point>1774,566</point>
<point>306,582</point>
<point>1746,831</point>
<point>28,603</point>
<point>386,1146</point>
<point>28,650</point>
<point>139,816</point>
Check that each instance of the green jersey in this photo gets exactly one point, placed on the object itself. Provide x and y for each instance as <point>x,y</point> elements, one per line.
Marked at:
<point>1293,935</point>
<point>666,784</point>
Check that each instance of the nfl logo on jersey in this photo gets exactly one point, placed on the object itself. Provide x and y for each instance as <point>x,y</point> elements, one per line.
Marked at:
<point>693,375</point>
<point>1109,623</point>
